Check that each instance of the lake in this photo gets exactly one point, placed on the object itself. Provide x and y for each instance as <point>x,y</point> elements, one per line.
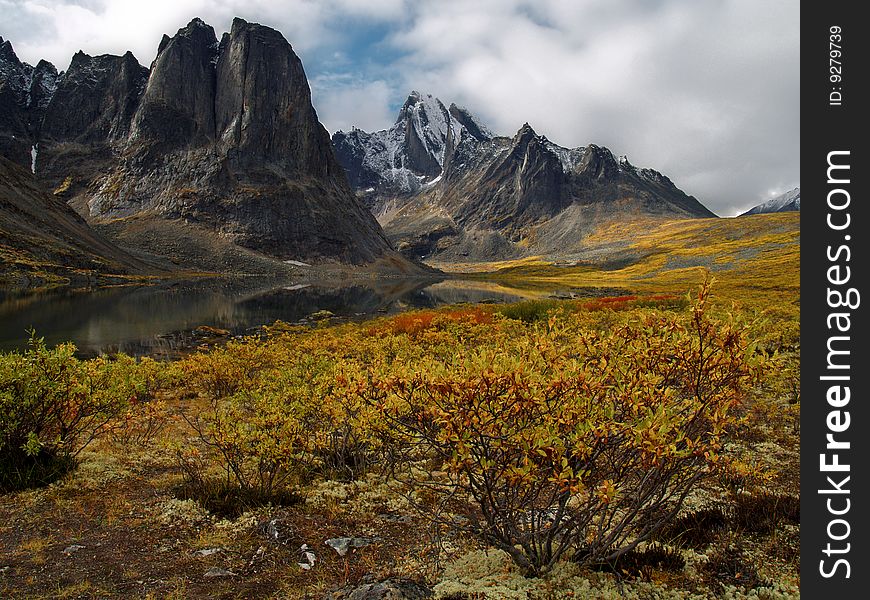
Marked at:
<point>162,319</point>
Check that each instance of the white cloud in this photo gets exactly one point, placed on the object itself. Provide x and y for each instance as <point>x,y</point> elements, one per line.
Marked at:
<point>344,102</point>
<point>706,92</point>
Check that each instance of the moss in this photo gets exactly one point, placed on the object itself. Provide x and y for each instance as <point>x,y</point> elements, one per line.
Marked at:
<point>481,575</point>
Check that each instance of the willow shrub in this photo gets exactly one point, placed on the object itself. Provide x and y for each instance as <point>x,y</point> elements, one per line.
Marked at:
<point>296,420</point>
<point>52,405</point>
<point>571,441</point>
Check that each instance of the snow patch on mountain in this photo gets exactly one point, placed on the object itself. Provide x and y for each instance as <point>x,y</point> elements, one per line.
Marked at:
<point>412,153</point>
<point>569,157</point>
<point>789,201</point>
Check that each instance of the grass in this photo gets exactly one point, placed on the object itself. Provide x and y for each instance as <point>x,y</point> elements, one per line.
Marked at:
<point>127,505</point>
<point>755,259</point>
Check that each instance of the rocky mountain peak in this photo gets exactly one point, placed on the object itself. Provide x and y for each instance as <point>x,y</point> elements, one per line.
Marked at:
<point>221,135</point>
<point>470,123</point>
<point>7,53</point>
<point>95,99</point>
<point>411,153</point>
<point>503,197</point>
<point>525,135</point>
<point>25,92</point>
<point>177,108</point>
<point>14,74</point>
<point>599,163</point>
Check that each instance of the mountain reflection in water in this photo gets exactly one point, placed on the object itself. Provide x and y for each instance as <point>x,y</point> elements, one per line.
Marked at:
<point>161,319</point>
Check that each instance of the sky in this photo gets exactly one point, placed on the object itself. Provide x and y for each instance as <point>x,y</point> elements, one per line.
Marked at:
<point>705,91</point>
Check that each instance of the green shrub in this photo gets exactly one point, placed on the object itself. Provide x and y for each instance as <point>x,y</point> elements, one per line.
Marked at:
<point>52,405</point>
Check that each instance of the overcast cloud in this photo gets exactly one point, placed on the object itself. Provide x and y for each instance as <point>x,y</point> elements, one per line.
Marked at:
<point>705,92</point>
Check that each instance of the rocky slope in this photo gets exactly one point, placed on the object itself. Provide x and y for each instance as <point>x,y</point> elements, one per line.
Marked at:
<point>411,153</point>
<point>42,240</point>
<point>221,135</point>
<point>789,201</point>
<point>445,188</point>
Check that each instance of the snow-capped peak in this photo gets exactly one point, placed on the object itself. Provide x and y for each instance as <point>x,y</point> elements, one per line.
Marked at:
<point>788,201</point>
<point>412,152</point>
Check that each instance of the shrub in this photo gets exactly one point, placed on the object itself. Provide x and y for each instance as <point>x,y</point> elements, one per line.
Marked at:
<point>639,563</point>
<point>52,405</point>
<point>589,448</point>
<point>221,372</point>
<point>761,512</point>
<point>251,439</point>
<point>695,529</point>
<point>530,311</point>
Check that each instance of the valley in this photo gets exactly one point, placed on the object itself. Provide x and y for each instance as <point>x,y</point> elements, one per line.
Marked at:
<point>242,357</point>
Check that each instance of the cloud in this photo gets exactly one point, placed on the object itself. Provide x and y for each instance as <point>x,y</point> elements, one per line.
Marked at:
<point>706,92</point>
<point>343,102</point>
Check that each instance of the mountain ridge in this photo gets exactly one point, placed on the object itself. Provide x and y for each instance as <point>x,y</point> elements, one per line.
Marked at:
<point>789,201</point>
<point>221,134</point>
<point>494,196</point>
<point>42,240</point>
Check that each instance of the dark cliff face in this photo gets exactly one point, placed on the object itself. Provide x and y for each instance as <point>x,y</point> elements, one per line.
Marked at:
<point>25,92</point>
<point>519,187</point>
<point>95,100</point>
<point>263,105</point>
<point>177,108</point>
<point>218,134</point>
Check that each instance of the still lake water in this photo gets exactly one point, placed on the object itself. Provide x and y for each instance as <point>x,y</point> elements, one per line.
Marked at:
<point>161,319</point>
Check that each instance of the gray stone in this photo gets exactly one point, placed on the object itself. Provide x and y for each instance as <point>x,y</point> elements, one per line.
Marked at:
<point>389,589</point>
<point>344,544</point>
<point>218,572</point>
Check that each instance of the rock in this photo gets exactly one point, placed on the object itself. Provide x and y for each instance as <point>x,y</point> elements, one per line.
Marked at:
<point>321,315</point>
<point>344,544</point>
<point>93,105</point>
<point>208,551</point>
<point>73,548</point>
<point>389,589</point>
<point>177,108</point>
<point>212,331</point>
<point>218,572</point>
<point>221,135</point>
<point>277,530</point>
<point>444,187</point>
<point>394,518</point>
<point>307,557</point>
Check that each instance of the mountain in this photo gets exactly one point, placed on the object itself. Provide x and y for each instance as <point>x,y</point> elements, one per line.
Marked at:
<point>444,187</point>
<point>42,239</point>
<point>788,201</point>
<point>411,153</point>
<point>25,92</point>
<point>218,134</point>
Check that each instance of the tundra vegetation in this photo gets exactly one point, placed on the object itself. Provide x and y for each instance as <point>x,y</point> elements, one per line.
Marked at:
<point>636,445</point>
